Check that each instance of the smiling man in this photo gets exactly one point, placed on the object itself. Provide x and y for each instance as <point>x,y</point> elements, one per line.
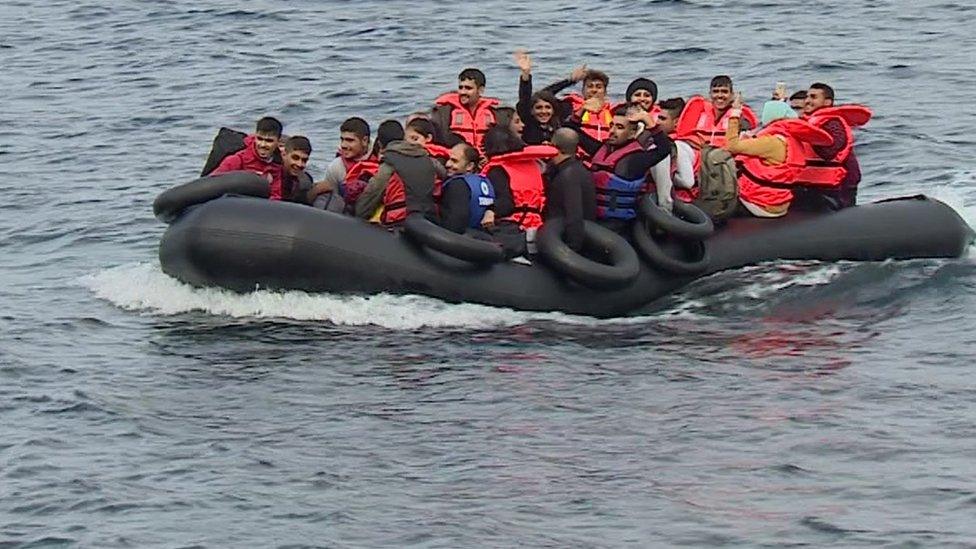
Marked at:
<point>295,181</point>
<point>832,173</point>
<point>620,166</point>
<point>353,147</point>
<point>590,111</point>
<point>704,121</point>
<point>258,153</point>
<point>465,112</point>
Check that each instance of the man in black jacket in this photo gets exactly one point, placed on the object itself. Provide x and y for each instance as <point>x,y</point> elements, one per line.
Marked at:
<point>569,188</point>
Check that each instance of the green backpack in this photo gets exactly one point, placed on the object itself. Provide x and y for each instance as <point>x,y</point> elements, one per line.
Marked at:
<point>718,183</point>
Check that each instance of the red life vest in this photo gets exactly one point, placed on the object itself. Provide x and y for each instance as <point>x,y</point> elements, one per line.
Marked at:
<point>767,185</point>
<point>276,185</point>
<point>686,195</point>
<point>616,198</point>
<point>697,122</point>
<point>655,110</point>
<point>831,172</point>
<point>606,160</point>
<point>594,124</point>
<point>437,151</point>
<point>440,153</point>
<point>471,127</point>
<point>357,178</point>
<point>346,163</point>
<point>365,168</point>
<point>394,201</point>
<point>525,182</point>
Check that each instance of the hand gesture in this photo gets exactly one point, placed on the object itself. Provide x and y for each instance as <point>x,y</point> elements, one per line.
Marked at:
<point>640,115</point>
<point>579,73</point>
<point>780,93</point>
<point>593,104</point>
<point>523,61</point>
<point>737,100</point>
<point>322,187</point>
<point>665,202</point>
<point>488,220</point>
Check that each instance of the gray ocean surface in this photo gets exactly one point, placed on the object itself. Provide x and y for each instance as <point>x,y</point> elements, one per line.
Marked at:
<point>786,404</point>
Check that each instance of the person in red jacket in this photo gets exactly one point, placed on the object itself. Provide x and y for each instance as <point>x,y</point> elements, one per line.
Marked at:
<point>258,155</point>
<point>464,112</point>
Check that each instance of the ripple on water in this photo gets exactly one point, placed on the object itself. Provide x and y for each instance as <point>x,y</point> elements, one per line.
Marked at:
<point>789,403</point>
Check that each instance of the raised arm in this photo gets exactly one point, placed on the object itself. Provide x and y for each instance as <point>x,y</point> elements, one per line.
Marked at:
<point>524,105</point>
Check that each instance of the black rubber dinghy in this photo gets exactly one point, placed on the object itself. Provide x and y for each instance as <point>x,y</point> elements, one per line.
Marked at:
<point>243,243</point>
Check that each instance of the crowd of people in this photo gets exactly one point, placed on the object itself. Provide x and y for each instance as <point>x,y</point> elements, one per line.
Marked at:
<point>476,166</point>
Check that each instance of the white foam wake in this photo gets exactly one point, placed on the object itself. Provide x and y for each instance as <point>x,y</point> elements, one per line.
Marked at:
<point>144,287</point>
<point>957,194</point>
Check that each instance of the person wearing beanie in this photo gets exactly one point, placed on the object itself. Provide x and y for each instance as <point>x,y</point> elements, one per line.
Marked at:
<point>643,92</point>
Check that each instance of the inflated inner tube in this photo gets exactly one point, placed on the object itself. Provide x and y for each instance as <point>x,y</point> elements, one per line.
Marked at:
<point>450,243</point>
<point>678,256</point>
<point>623,264</point>
<point>172,202</point>
<point>687,221</point>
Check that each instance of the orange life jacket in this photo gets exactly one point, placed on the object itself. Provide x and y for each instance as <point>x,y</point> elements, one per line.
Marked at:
<point>767,185</point>
<point>831,172</point>
<point>594,124</point>
<point>525,182</point>
<point>437,151</point>
<point>471,127</point>
<point>357,177</point>
<point>394,201</point>
<point>606,160</point>
<point>697,122</point>
<point>365,167</point>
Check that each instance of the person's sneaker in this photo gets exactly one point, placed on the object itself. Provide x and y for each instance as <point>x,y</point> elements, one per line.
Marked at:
<point>521,259</point>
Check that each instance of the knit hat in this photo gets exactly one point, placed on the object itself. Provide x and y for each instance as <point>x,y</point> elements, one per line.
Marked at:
<point>642,84</point>
<point>775,110</point>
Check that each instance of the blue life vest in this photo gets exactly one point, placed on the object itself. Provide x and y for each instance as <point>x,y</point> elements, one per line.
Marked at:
<point>616,198</point>
<point>482,195</point>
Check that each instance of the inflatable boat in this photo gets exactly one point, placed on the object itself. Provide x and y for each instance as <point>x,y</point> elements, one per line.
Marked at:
<point>224,232</point>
